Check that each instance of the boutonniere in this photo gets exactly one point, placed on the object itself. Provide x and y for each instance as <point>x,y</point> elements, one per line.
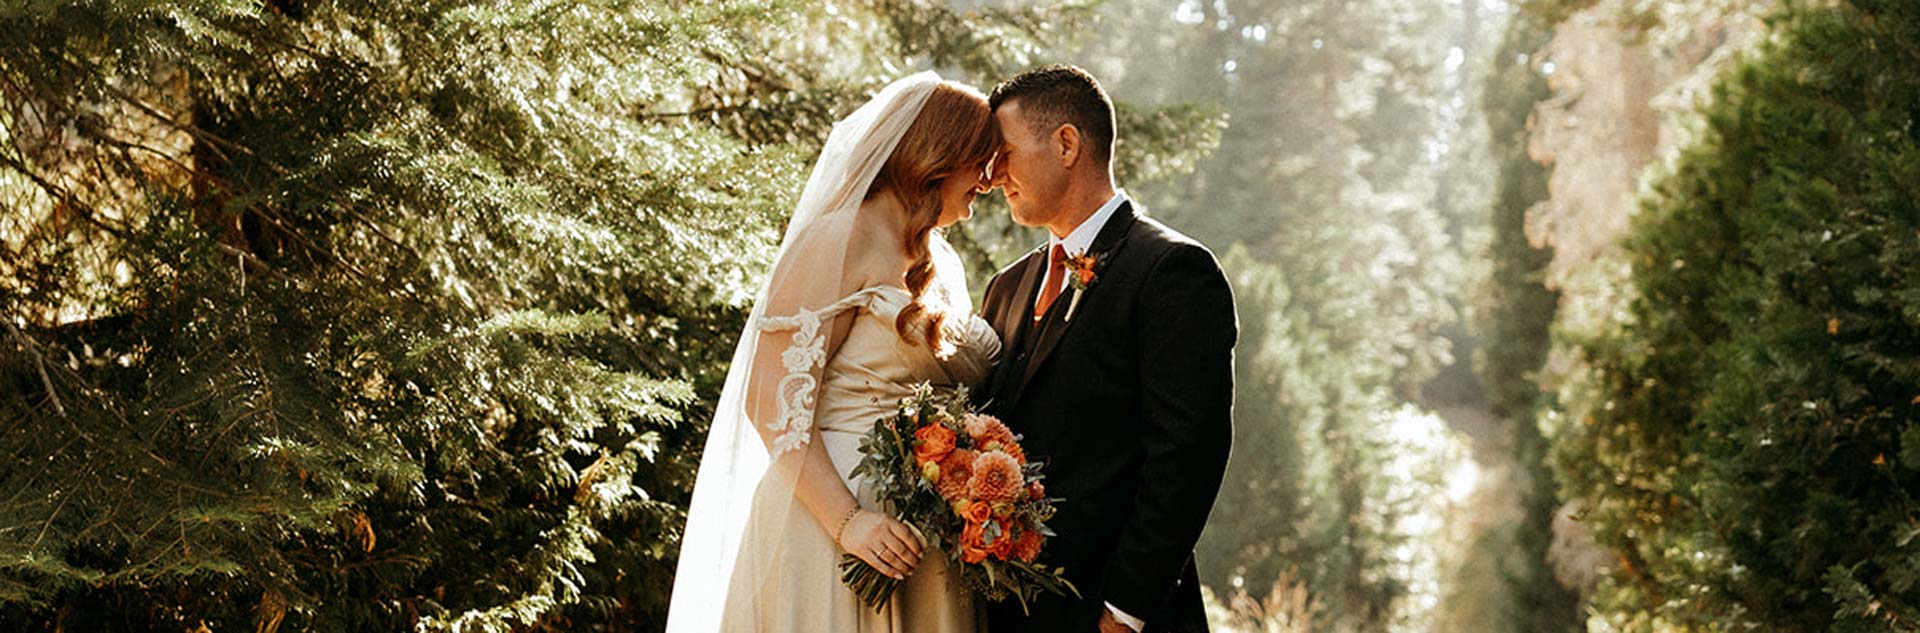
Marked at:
<point>1086,270</point>
<point>1082,271</point>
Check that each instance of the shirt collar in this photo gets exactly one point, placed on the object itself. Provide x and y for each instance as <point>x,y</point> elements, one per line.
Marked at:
<point>1081,239</point>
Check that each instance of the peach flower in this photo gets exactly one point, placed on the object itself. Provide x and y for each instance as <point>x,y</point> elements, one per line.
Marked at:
<point>1035,491</point>
<point>996,477</point>
<point>989,433</point>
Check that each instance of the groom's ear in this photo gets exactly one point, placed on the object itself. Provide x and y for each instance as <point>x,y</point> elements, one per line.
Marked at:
<point>1070,143</point>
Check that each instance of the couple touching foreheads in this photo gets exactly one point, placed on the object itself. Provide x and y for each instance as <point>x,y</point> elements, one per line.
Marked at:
<point>1119,379</point>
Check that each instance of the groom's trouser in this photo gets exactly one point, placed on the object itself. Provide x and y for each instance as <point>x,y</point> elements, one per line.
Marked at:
<point>1049,613</point>
<point>1182,612</point>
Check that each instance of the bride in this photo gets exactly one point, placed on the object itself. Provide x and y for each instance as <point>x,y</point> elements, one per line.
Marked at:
<point>864,301</point>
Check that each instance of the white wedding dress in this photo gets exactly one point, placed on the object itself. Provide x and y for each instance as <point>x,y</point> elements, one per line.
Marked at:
<point>863,382</point>
<point>751,558</point>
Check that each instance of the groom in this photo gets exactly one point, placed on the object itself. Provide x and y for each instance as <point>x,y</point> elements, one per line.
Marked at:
<point>1118,367</point>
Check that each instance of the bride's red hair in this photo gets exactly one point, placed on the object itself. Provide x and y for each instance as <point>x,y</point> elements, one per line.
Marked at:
<point>954,133</point>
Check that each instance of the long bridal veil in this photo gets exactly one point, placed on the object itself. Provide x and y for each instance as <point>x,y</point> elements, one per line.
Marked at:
<point>765,414</point>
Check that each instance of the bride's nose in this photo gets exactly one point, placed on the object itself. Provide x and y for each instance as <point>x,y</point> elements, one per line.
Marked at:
<point>996,172</point>
<point>985,184</point>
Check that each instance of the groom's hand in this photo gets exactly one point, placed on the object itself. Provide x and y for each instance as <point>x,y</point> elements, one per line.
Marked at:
<point>1110,624</point>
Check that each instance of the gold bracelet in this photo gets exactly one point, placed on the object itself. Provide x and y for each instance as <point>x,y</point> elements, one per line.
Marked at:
<point>842,530</point>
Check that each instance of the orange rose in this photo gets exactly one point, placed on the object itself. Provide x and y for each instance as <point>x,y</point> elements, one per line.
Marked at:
<point>976,513</point>
<point>1035,491</point>
<point>1026,546</point>
<point>955,471</point>
<point>996,477</point>
<point>973,540</point>
<point>935,441</point>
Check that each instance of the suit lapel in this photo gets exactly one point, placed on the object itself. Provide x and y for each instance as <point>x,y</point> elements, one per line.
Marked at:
<point>1016,319</point>
<point>1019,315</point>
<point>1054,326</point>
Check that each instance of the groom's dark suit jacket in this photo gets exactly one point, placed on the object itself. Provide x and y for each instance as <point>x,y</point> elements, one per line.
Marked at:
<point>1130,403</point>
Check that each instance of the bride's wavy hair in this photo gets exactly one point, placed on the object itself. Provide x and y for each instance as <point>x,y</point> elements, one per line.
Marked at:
<point>954,133</point>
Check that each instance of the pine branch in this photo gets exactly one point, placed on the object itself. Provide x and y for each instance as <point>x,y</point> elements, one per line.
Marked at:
<point>39,364</point>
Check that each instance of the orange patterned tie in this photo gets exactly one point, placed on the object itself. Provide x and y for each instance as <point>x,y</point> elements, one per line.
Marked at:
<point>1056,274</point>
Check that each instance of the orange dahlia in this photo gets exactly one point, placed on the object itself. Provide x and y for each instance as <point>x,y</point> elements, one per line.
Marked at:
<point>996,477</point>
<point>1026,546</point>
<point>1003,545</point>
<point>955,471</point>
<point>1012,449</point>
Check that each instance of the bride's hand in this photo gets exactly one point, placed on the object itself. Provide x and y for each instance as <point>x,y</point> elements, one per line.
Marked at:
<point>887,545</point>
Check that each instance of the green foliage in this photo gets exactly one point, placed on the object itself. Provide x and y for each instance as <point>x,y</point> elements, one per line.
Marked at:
<point>416,304</point>
<point>395,316</point>
<point>1748,456</point>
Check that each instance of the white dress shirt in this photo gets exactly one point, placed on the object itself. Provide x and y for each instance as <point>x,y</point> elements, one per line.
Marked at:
<point>1081,239</point>
<point>1076,244</point>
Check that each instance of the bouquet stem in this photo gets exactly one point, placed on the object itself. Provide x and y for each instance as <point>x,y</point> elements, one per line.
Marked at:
<point>873,587</point>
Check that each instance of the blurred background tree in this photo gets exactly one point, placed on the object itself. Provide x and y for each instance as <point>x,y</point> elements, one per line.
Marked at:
<point>1514,312</point>
<point>1342,196</point>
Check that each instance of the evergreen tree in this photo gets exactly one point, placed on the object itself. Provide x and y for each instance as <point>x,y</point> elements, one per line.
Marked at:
<point>403,315</point>
<point>417,295</point>
<point>1754,457</point>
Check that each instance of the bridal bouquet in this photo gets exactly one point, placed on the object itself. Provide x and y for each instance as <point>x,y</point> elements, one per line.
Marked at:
<point>964,483</point>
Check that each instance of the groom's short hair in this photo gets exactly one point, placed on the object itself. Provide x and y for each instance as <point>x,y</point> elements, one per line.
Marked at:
<point>1052,96</point>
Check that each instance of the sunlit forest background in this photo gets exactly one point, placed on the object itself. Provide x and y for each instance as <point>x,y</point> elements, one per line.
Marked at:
<point>1557,315</point>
